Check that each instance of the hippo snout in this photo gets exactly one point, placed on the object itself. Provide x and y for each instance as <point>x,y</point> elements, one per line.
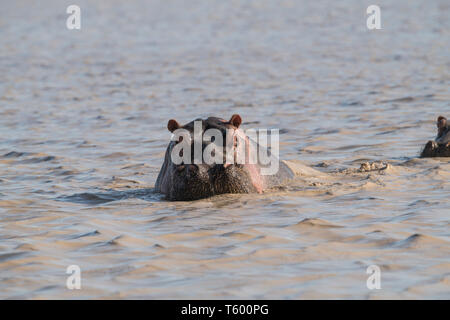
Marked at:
<point>188,169</point>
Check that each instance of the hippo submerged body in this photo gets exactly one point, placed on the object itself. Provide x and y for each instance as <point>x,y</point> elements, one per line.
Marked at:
<point>181,179</point>
<point>440,147</point>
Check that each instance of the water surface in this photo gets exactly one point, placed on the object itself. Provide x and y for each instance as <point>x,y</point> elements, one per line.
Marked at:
<point>83,133</point>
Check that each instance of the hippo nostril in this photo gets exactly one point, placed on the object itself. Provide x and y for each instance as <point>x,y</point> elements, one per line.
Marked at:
<point>192,167</point>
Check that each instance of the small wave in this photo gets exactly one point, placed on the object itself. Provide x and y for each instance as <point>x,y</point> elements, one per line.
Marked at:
<point>408,99</point>
<point>62,171</point>
<point>92,198</point>
<point>351,103</point>
<point>421,203</point>
<point>11,255</point>
<point>107,243</point>
<point>316,222</point>
<point>403,99</point>
<point>135,166</point>
<point>85,234</point>
<point>15,154</point>
<point>112,195</point>
<point>115,155</point>
<point>242,105</point>
<point>419,240</point>
<point>43,158</point>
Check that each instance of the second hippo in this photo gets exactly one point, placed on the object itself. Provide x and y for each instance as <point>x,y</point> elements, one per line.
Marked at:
<point>440,147</point>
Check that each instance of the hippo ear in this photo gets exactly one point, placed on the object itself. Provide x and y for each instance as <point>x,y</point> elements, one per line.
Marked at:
<point>172,125</point>
<point>441,122</point>
<point>236,120</point>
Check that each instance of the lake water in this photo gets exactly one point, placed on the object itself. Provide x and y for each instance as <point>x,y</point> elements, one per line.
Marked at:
<point>83,117</point>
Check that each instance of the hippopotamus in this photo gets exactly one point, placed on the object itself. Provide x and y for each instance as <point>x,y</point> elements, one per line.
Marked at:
<point>440,147</point>
<point>191,180</point>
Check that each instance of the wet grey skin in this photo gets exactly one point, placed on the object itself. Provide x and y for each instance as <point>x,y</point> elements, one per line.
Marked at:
<point>186,182</point>
<point>440,147</point>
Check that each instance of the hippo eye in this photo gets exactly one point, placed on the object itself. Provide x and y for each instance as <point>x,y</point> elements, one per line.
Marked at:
<point>180,138</point>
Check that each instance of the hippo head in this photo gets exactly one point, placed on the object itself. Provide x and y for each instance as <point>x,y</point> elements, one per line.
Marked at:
<point>443,136</point>
<point>441,125</point>
<point>187,175</point>
<point>440,147</point>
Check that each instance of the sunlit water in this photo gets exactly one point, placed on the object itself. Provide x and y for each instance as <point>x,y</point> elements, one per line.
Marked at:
<point>83,119</point>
